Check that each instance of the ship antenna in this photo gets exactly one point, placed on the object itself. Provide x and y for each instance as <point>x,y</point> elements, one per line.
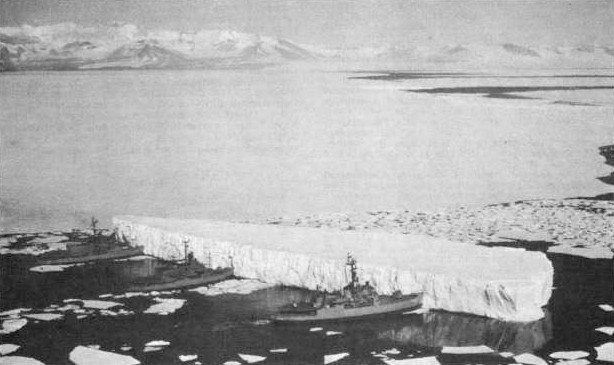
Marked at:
<point>94,222</point>
<point>351,262</point>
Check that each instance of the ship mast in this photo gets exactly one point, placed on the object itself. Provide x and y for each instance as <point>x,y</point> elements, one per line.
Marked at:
<point>351,262</point>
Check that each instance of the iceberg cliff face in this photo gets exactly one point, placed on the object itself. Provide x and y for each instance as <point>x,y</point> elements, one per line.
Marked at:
<point>502,283</point>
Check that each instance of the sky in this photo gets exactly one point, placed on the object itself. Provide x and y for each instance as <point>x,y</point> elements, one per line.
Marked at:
<point>344,23</point>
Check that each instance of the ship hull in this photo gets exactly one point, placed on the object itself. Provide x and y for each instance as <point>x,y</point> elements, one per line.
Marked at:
<point>405,303</point>
<point>184,282</point>
<point>112,255</point>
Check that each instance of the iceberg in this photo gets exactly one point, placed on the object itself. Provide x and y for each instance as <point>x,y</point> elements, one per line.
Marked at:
<point>502,283</point>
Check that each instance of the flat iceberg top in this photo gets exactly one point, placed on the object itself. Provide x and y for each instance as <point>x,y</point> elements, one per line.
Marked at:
<point>377,249</point>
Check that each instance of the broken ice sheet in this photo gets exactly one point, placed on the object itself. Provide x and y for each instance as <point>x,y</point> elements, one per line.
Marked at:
<point>7,348</point>
<point>165,306</point>
<point>100,304</point>
<point>605,352</point>
<point>12,325</point>
<point>569,355</point>
<point>328,359</point>
<point>607,330</point>
<point>250,359</point>
<point>82,355</point>
<point>44,316</point>
<point>233,286</point>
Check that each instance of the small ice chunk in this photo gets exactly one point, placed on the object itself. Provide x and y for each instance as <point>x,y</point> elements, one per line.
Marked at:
<point>157,343</point>
<point>125,348</point>
<point>392,351</point>
<point>605,352</point>
<point>96,347</point>
<point>14,311</point>
<point>482,349</point>
<point>328,359</point>
<point>19,360</point>
<point>333,333</point>
<point>152,349</point>
<point>607,330</point>
<point>574,362</point>
<point>12,325</point>
<point>44,316</point>
<point>7,348</point>
<point>48,268</point>
<point>506,354</point>
<point>165,306</point>
<point>154,293</point>
<point>278,351</point>
<point>315,329</point>
<point>99,304</point>
<point>569,355</point>
<point>250,359</point>
<point>530,359</point>
<point>82,355</point>
<point>81,316</point>
<point>606,307</point>
<point>430,360</point>
<point>107,313</point>
<point>185,358</point>
<point>232,362</point>
<point>102,296</point>
<point>71,300</point>
<point>68,307</point>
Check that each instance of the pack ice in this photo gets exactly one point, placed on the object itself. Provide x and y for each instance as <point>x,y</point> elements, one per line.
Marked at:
<point>503,283</point>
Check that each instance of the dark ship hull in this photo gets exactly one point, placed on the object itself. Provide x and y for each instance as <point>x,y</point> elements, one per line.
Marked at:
<point>385,305</point>
<point>110,254</point>
<point>182,280</point>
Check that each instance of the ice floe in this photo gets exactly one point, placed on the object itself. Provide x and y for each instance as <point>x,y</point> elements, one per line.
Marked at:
<point>328,359</point>
<point>100,304</point>
<point>482,349</point>
<point>605,352</point>
<point>569,355</point>
<point>233,286</point>
<point>430,360</point>
<point>574,362</point>
<point>8,348</point>
<point>530,359</point>
<point>606,307</point>
<point>232,362</point>
<point>19,360</point>
<point>157,343</point>
<point>12,325</point>
<point>315,329</point>
<point>333,333</point>
<point>278,351</point>
<point>152,349</point>
<point>607,330</point>
<point>14,311</point>
<point>506,354</point>
<point>165,306</point>
<point>185,358</point>
<point>392,351</point>
<point>126,348</point>
<point>82,355</point>
<point>44,316</point>
<point>53,268</point>
<point>250,359</point>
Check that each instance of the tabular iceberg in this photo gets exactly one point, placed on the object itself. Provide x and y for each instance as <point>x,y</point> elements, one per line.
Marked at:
<point>503,283</point>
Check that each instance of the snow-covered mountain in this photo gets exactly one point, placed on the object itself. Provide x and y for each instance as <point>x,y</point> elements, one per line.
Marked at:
<point>71,46</point>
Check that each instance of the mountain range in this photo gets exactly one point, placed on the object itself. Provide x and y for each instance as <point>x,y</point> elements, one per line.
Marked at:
<point>68,46</point>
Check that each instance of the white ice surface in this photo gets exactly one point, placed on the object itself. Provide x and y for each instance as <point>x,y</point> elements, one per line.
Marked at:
<point>165,306</point>
<point>329,359</point>
<point>466,350</point>
<point>44,316</point>
<point>431,360</point>
<point>605,352</point>
<point>495,282</point>
<point>250,359</point>
<point>185,358</point>
<point>82,355</point>
<point>7,348</point>
<point>157,343</point>
<point>19,360</point>
<point>233,286</point>
<point>530,359</point>
<point>569,355</point>
<point>606,307</point>
<point>12,325</point>
<point>99,304</point>
<point>606,329</point>
<point>574,362</point>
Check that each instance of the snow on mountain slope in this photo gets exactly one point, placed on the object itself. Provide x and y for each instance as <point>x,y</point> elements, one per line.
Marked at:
<point>72,46</point>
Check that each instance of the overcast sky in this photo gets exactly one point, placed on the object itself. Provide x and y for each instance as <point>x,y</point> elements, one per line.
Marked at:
<point>344,22</point>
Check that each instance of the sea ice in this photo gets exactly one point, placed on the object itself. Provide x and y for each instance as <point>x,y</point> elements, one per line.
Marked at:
<point>102,296</point>
<point>7,348</point>
<point>48,240</point>
<point>574,362</point>
<point>506,354</point>
<point>126,348</point>
<point>607,330</point>
<point>14,311</point>
<point>392,351</point>
<point>44,316</point>
<point>605,352</point>
<point>606,307</point>
<point>530,359</point>
<point>100,304</point>
<point>12,325</point>
<point>417,311</point>
<point>49,268</point>
<point>250,359</point>
<point>431,360</point>
<point>333,333</point>
<point>82,355</point>
<point>569,355</point>
<point>152,349</point>
<point>185,358</point>
<point>232,362</point>
<point>19,360</point>
<point>277,351</point>
<point>157,343</point>
<point>482,349</point>
<point>233,286</point>
<point>165,306</point>
<point>315,329</point>
<point>328,359</point>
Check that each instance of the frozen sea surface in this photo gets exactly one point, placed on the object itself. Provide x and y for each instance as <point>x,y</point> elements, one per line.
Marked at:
<point>251,144</point>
